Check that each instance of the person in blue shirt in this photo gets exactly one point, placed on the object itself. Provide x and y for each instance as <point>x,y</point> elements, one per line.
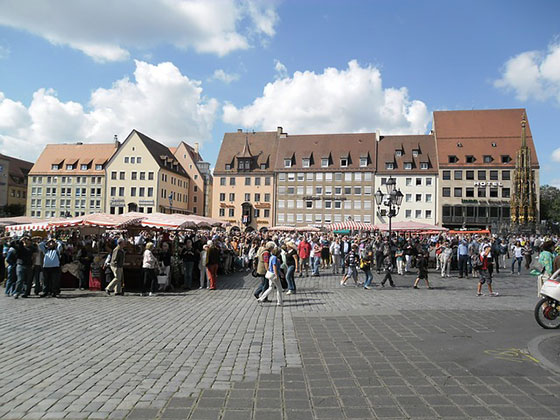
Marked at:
<point>463,258</point>
<point>52,250</point>
<point>11,261</point>
<point>273,276</point>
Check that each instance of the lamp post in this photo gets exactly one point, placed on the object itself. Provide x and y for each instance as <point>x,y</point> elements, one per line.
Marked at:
<point>392,199</point>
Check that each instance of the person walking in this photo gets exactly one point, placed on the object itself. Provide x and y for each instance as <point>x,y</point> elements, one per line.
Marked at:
<point>335,250</point>
<point>517,257</point>
<point>11,262</point>
<point>351,262</point>
<point>149,265</point>
<point>445,256</point>
<point>316,257</point>
<point>388,268</point>
<point>213,260</point>
<point>291,267</point>
<point>24,269</point>
<point>203,280</point>
<point>365,265</point>
<point>117,264</point>
<point>422,266</point>
<point>263,257</point>
<point>304,251</point>
<point>483,272</point>
<point>273,276</point>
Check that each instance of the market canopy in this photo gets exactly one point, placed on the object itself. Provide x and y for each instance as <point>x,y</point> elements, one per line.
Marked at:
<point>351,225</point>
<point>410,226</point>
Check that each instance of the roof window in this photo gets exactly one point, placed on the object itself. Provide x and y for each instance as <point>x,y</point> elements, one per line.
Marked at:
<point>470,159</point>
<point>452,159</point>
<point>488,159</point>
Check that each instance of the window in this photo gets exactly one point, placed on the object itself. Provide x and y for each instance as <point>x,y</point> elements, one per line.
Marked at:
<point>328,204</point>
<point>357,190</point>
<point>328,190</point>
<point>338,176</point>
<point>347,190</point>
<point>247,180</point>
<point>338,204</point>
<point>493,192</point>
<point>305,162</point>
<point>452,159</point>
<point>98,167</point>
<point>54,167</point>
<point>69,167</point>
<point>408,198</point>
<point>222,212</point>
<point>138,159</point>
<point>231,196</point>
<point>469,192</point>
<point>231,212</point>
<point>126,159</point>
<point>232,181</point>
<point>367,190</point>
<point>291,190</point>
<point>493,175</point>
<point>408,214</point>
<point>348,176</point>
<point>228,166</point>
<point>446,175</point>
<point>428,198</point>
<point>418,181</point>
<point>299,189</point>
<point>281,204</point>
<point>344,162</point>
<point>309,204</point>
<point>337,190</point>
<point>299,204</point>
<point>267,198</point>
<point>363,162</point>
<point>222,196</point>
<point>150,176</point>
<point>132,159</point>
<point>418,198</point>
<point>247,197</point>
<point>141,191</point>
<point>121,175</point>
<point>287,163</point>
<point>418,214</point>
<point>325,163</point>
<point>367,176</point>
<point>257,213</point>
<point>457,192</point>
<point>257,197</point>
<point>83,167</point>
<point>398,153</point>
<point>222,181</point>
<point>300,176</point>
<point>121,191</point>
<point>407,181</point>
<point>428,214</point>
<point>488,159</point>
<point>481,175</point>
<point>389,165</point>
<point>150,191</point>
<point>505,193</point>
<point>469,159</point>
<point>415,152</point>
<point>506,159</point>
<point>133,191</point>
<point>506,175</point>
<point>457,175</point>
<point>482,192</point>
<point>267,180</point>
<point>470,175</point>
<point>446,192</point>
<point>258,180</point>
<point>424,165</point>
<point>133,176</point>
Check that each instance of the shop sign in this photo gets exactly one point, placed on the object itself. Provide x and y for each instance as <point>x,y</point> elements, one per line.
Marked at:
<point>262,205</point>
<point>146,202</point>
<point>488,184</point>
<point>466,201</point>
<point>117,202</point>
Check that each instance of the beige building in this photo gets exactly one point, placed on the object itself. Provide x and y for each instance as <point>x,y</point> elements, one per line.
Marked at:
<point>145,176</point>
<point>476,153</point>
<point>13,184</point>
<point>243,191</point>
<point>68,180</point>
<point>412,162</point>
<point>200,187</point>
<point>325,178</point>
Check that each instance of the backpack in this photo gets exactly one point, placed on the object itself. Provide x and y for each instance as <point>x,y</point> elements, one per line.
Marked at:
<point>476,262</point>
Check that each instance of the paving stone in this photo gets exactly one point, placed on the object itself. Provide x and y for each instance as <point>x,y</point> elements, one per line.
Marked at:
<point>237,414</point>
<point>268,415</point>
<point>143,413</point>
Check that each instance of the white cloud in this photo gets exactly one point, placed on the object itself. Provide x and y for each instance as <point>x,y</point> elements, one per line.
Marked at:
<point>222,76</point>
<point>281,70</point>
<point>350,100</point>
<point>160,102</point>
<point>533,74</point>
<point>107,29</point>
<point>556,155</point>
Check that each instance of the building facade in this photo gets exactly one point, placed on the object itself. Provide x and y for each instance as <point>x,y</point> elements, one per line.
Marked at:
<point>145,176</point>
<point>68,180</point>
<point>325,178</point>
<point>243,192</point>
<point>13,185</point>
<point>412,162</point>
<point>476,154</point>
<point>200,177</point>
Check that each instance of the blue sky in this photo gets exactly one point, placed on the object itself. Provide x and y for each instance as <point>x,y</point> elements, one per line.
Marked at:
<point>192,70</point>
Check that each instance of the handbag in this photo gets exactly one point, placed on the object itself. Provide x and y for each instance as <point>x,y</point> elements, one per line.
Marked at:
<point>269,275</point>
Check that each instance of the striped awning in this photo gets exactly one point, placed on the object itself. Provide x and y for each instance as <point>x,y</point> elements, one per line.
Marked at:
<point>167,221</point>
<point>28,227</point>
<point>351,225</point>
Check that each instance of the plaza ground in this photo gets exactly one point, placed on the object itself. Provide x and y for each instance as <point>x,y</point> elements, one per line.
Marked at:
<point>330,352</point>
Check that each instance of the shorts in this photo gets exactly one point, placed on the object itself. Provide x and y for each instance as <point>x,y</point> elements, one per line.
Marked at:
<point>352,271</point>
<point>485,277</point>
<point>423,275</point>
<point>305,262</point>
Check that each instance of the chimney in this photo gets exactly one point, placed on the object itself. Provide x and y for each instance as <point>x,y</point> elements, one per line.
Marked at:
<point>280,133</point>
<point>117,144</point>
<point>240,130</point>
<point>378,135</point>
<point>196,147</point>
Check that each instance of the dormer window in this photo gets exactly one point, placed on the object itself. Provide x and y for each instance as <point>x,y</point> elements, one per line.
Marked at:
<point>263,166</point>
<point>54,167</point>
<point>305,162</point>
<point>287,163</point>
<point>69,167</point>
<point>408,166</point>
<point>389,166</point>
<point>98,167</point>
<point>344,162</point>
<point>325,163</point>
<point>363,162</point>
<point>228,166</point>
<point>424,165</point>
<point>488,159</point>
<point>452,159</point>
<point>398,153</point>
<point>469,159</point>
<point>415,152</point>
<point>506,158</point>
<point>83,167</point>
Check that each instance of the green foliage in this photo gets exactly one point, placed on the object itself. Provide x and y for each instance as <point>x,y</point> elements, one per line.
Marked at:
<point>550,204</point>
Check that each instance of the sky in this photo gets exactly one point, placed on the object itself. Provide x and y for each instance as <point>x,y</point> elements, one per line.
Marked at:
<point>192,70</point>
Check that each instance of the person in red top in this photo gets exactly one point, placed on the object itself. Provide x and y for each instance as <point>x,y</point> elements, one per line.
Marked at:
<point>484,273</point>
<point>304,250</point>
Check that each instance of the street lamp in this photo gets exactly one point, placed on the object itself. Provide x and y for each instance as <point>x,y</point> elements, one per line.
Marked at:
<point>392,199</point>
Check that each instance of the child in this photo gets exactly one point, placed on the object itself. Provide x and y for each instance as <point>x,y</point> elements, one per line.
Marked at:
<point>422,265</point>
<point>388,266</point>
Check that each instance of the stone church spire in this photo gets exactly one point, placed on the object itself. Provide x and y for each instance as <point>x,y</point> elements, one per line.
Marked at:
<point>523,200</point>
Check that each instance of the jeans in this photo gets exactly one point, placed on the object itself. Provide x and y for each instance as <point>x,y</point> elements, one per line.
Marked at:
<point>519,260</point>
<point>24,279</point>
<point>290,278</point>
<point>150,280</point>
<point>37,281</point>
<point>51,278</point>
<point>187,276</point>
<point>274,282</point>
<point>463,265</point>
<point>369,277</point>
<point>336,264</point>
<point>262,287</point>
<point>11,280</point>
<point>316,265</point>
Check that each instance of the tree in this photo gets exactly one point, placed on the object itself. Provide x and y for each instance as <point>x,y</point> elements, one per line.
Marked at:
<point>550,205</point>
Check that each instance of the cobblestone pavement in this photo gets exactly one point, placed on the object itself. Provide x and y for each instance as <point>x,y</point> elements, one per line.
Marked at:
<point>329,352</point>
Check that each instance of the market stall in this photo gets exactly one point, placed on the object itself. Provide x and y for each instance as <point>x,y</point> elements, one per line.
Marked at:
<point>351,225</point>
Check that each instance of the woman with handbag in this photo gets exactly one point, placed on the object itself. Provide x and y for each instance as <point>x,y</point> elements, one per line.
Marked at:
<point>273,277</point>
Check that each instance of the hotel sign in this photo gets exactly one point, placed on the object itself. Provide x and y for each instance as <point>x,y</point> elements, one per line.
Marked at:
<point>488,184</point>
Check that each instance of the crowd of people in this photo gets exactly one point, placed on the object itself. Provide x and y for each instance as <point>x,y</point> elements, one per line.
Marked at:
<point>188,260</point>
